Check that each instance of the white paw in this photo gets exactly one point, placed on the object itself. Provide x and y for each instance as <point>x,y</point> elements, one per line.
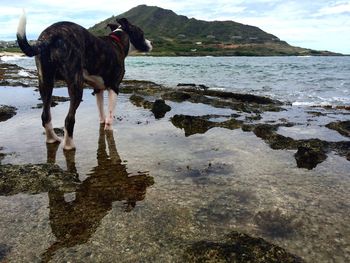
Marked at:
<point>53,139</point>
<point>69,147</point>
<point>108,126</point>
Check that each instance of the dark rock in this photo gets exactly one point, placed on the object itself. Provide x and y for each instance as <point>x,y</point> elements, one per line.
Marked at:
<point>54,102</point>
<point>343,127</point>
<point>141,87</point>
<point>7,112</point>
<point>59,131</point>
<point>247,127</point>
<point>41,105</point>
<point>160,108</point>
<point>177,96</point>
<point>240,248</point>
<point>342,148</point>
<point>310,152</point>
<point>9,76</point>
<point>2,155</point>
<point>236,96</point>
<point>192,124</point>
<point>140,101</point>
<point>60,99</point>
<point>201,124</point>
<point>309,158</point>
<point>33,178</point>
<point>275,223</point>
<point>186,85</point>
<point>201,86</point>
<point>4,251</point>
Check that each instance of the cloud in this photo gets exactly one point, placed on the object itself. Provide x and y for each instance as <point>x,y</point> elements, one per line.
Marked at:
<point>322,24</point>
<point>339,8</point>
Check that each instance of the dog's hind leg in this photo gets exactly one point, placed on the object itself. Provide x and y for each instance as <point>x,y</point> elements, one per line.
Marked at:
<point>46,84</point>
<point>75,90</point>
<point>100,106</point>
<point>112,99</point>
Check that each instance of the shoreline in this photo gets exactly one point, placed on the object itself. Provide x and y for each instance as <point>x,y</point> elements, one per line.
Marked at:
<point>171,54</point>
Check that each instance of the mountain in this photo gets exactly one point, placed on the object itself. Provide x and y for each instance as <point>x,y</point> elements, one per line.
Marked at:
<point>174,34</point>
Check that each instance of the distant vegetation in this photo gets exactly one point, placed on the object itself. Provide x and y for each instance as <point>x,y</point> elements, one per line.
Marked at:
<point>175,35</point>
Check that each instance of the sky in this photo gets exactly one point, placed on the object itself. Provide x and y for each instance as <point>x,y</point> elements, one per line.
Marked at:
<point>315,24</point>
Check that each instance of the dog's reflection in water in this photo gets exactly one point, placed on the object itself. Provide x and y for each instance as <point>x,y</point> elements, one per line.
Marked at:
<point>73,221</point>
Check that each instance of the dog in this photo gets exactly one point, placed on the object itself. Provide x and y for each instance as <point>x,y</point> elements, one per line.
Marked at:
<point>67,51</point>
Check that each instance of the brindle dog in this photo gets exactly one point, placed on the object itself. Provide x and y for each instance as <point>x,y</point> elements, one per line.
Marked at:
<point>66,51</point>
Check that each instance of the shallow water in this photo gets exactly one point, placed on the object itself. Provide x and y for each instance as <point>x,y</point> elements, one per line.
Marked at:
<point>147,192</point>
<point>302,81</point>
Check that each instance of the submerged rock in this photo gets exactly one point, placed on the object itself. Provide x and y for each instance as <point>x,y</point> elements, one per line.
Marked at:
<point>33,178</point>
<point>7,112</point>
<point>343,127</point>
<point>240,248</point>
<point>310,152</point>
<point>309,158</point>
<point>275,223</point>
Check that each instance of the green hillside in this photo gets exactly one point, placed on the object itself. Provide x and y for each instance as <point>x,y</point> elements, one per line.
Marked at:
<point>174,34</point>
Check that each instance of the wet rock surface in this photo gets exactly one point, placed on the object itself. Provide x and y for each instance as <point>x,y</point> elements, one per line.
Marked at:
<point>13,75</point>
<point>238,247</point>
<point>309,158</point>
<point>310,152</point>
<point>343,127</point>
<point>54,102</point>
<point>7,112</point>
<point>201,124</point>
<point>33,178</point>
<point>249,110</point>
<point>159,108</point>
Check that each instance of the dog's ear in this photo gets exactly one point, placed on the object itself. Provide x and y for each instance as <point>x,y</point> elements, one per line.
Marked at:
<point>124,23</point>
<point>112,27</point>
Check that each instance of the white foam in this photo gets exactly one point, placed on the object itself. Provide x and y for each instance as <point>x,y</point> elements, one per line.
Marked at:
<point>11,58</point>
<point>310,103</point>
<point>24,73</point>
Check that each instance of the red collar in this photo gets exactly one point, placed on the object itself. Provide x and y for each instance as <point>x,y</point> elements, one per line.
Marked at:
<point>116,39</point>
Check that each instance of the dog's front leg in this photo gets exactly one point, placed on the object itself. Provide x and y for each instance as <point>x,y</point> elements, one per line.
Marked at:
<point>100,107</point>
<point>112,99</point>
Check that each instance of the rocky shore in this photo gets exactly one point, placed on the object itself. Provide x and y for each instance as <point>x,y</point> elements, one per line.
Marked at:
<point>209,176</point>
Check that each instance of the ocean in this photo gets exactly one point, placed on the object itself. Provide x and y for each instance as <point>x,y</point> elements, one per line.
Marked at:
<point>297,80</point>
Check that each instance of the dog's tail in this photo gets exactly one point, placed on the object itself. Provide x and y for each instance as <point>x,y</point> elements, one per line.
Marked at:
<point>29,50</point>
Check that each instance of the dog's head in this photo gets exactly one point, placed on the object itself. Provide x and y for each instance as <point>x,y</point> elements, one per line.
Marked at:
<point>136,35</point>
